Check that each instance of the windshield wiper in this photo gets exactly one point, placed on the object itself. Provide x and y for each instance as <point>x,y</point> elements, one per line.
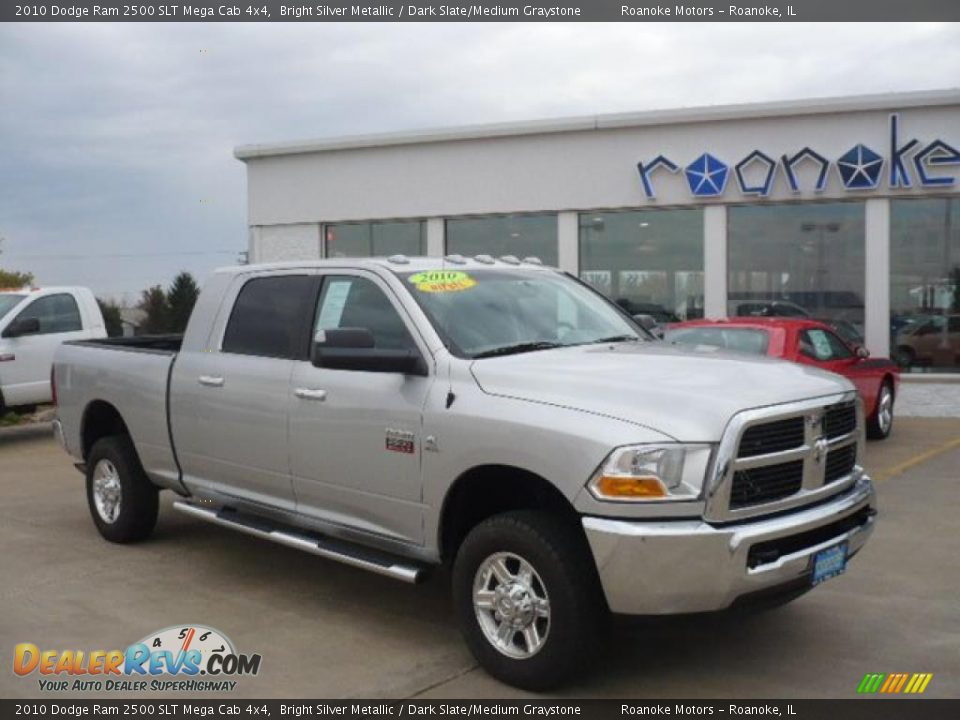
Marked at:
<point>616,338</point>
<point>519,348</point>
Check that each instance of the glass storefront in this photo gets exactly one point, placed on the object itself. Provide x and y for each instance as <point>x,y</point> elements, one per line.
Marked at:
<point>520,235</point>
<point>925,284</point>
<point>375,239</point>
<point>801,260</point>
<point>649,261</point>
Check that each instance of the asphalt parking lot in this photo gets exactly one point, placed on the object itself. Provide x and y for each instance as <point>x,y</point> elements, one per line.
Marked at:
<point>326,630</point>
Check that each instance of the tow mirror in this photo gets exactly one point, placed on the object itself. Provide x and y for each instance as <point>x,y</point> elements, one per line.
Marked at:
<point>24,326</point>
<point>355,349</point>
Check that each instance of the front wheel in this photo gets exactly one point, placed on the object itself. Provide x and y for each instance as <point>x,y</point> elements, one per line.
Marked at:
<point>528,599</point>
<point>881,422</point>
<point>123,502</point>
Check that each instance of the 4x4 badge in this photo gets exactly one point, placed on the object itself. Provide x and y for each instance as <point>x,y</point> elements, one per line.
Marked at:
<point>400,441</point>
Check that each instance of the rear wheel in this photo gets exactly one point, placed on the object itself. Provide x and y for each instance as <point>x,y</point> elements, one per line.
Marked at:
<point>881,422</point>
<point>528,599</point>
<point>123,502</point>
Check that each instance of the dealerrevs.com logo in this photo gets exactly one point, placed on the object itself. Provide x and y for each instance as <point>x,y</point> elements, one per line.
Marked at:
<point>186,658</point>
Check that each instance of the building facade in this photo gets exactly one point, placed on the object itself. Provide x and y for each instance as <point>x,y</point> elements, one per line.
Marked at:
<point>846,209</point>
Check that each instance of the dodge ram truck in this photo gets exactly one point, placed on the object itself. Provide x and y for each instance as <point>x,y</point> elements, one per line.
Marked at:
<point>495,416</point>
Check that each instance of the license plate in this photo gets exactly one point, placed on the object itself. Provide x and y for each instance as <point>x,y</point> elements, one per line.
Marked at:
<point>829,563</point>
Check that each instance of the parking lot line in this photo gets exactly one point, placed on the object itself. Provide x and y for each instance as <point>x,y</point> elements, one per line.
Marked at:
<point>917,459</point>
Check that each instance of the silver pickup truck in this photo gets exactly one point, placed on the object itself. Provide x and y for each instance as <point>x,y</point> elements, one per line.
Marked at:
<point>496,416</point>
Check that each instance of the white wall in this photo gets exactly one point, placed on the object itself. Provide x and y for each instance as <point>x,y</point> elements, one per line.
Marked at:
<point>573,170</point>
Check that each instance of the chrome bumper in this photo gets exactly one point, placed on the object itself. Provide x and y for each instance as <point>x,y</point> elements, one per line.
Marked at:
<point>665,567</point>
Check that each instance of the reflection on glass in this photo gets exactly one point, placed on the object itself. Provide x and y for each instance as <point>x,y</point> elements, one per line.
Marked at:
<point>375,239</point>
<point>797,261</point>
<point>650,262</point>
<point>520,235</point>
<point>925,284</point>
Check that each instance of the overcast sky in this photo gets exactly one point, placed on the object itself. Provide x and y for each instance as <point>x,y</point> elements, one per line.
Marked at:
<point>116,140</point>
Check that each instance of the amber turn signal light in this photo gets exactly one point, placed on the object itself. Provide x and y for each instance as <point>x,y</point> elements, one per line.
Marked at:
<point>630,487</point>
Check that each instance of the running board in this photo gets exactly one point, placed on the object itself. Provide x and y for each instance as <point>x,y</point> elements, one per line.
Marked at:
<point>344,552</point>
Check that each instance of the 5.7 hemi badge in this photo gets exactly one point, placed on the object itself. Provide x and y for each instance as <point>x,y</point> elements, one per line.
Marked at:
<point>400,441</point>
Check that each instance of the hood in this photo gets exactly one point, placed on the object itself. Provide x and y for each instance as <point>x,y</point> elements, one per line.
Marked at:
<point>688,394</point>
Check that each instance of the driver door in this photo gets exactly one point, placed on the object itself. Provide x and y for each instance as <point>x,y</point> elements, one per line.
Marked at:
<point>355,435</point>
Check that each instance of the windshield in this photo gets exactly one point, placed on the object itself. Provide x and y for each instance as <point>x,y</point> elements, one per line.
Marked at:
<point>744,340</point>
<point>486,312</point>
<point>8,301</point>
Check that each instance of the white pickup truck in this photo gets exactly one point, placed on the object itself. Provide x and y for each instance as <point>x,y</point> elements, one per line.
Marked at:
<point>33,322</point>
<point>496,416</point>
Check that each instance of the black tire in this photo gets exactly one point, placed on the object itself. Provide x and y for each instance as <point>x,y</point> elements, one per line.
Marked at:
<point>564,572</point>
<point>878,427</point>
<point>115,459</point>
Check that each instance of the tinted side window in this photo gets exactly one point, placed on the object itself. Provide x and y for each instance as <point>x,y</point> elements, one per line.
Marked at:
<point>56,313</point>
<point>268,317</point>
<point>356,302</point>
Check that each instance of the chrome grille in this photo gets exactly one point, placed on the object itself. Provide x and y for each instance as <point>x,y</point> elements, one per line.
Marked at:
<point>779,457</point>
<point>772,437</point>
<point>840,419</point>
<point>840,462</point>
<point>767,483</point>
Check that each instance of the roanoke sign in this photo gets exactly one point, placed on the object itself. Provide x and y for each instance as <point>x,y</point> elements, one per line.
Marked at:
<point>908,163</point>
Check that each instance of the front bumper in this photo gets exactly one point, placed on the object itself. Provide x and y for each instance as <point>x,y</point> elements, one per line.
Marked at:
<point>687,566</point>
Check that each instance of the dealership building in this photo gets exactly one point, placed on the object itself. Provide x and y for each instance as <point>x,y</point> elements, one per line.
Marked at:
<point>844,208</point>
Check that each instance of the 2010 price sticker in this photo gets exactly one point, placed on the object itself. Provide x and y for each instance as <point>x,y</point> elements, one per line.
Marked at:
<point>436,281</point>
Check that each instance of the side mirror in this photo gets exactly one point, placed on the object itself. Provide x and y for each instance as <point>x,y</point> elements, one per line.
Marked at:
<point>26,326</point>
<point>645,321</point>
<point>355,349</point>
<point>862,352</point>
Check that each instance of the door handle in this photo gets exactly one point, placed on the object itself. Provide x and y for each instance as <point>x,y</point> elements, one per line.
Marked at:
<point>310,394</point>
<point>210,381</point>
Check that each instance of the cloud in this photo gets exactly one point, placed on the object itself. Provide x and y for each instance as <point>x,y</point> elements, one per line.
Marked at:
<point>117,139</point>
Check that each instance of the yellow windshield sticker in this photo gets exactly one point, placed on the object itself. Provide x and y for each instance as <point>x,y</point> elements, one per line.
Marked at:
<point>442,281</point>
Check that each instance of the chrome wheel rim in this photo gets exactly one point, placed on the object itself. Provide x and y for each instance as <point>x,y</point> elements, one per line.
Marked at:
<point>512,605</point>
<point>106,491</point>
<point>885,410</point>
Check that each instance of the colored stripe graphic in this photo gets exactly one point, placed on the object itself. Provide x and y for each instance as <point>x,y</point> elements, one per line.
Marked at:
<point>894,683</point>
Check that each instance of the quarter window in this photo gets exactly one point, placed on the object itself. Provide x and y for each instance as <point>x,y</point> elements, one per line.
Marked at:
<point>56,313</point>
<point>355,302</point>
<point>268,317</point>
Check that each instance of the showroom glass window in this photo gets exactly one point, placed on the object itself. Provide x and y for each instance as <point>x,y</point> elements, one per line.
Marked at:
<point>925,284</point>
<point>375,239</point>
<point>797,261</point>
<point>520,235</point>
<point>650,261</point>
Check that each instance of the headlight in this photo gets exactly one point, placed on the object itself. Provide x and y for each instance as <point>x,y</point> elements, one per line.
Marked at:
<point>640,473</point>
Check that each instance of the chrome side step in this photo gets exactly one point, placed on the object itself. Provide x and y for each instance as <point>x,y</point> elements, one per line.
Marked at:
<point>332,549</point>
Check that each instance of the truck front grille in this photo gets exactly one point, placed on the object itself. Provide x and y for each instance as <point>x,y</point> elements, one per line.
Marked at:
<point>772,437</point>
<point>765,484</point>
<point>781,457</point>
<point>840,463</point>
<point>840,419</point>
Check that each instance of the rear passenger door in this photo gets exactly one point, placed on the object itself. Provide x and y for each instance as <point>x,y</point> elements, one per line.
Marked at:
<point>229,405</point>
<point>355,435</point>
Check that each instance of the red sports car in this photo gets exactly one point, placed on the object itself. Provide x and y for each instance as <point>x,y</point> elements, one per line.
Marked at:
<point>808,342</point>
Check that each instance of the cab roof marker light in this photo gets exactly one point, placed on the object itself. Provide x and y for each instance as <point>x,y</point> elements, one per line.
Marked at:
<point>510,259</point>
<point>455,259</point>
<point>398,260</point>
<point>485,259</point>
<point>533,260</point>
